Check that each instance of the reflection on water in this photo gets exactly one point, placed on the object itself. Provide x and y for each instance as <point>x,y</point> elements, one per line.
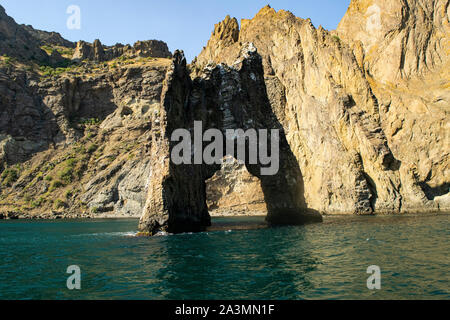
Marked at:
<point>320,261</point>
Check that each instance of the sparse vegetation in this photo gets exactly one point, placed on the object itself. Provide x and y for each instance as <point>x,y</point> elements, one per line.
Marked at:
<point>9,176</point>
<point>7,61</point>
<point>80,123</point>
<point>92,148</point>
<point>59,204</point>
<point>55,185</point>
<point>90,121</point>
<point>63,51</point>
<point>48,71</point>
<point>66,173</point>
<point>90,135</point>
<point>69,194</point>
<point>37,203</point>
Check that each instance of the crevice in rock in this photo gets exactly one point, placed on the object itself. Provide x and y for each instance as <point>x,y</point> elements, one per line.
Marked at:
<point>373,191</point>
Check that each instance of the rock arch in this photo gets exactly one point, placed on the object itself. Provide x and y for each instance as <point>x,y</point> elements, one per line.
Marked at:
<point>222,97</point>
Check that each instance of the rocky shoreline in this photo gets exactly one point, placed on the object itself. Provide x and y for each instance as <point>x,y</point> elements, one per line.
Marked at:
<point>220,214</point>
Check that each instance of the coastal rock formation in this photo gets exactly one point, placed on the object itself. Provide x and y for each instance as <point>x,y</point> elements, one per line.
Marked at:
<point>363,113</point>
<point>82,140</point>
<point>325,105</point>
<point>339,120</point>
<point>97,52</point>
<point>222,98</point>
<point>74,141</point>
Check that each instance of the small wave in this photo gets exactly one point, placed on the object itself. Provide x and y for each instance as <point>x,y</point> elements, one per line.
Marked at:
<point>109,234</point>
<point>162,234</point>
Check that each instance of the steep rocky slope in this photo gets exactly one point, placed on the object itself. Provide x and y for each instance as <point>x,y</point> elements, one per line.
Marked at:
<point>403,48</point>
<point>74,139</point>
<point>78,144</point>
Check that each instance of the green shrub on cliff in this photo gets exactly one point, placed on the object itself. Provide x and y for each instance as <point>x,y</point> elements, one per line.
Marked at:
<point>66,173</point>
<point>337,39</point>
<point>9,176</point>
<point>69,194</point>
<point>55,185</point>
<point>59,204</point>
<point>92,148</point>
<point>37,203</point>
<point>66,51</point>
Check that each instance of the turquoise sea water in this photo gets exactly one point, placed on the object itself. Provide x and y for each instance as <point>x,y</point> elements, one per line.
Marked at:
<point>321,261</point>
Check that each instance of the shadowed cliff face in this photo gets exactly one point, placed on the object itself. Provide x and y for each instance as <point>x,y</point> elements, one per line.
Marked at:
<point>221,98</point>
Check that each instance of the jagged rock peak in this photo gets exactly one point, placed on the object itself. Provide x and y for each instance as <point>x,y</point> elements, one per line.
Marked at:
<point>179,58</point>
<point>49,38</point>
<point>227,30</point>
<point>98,52</point>
<point>266,10</point>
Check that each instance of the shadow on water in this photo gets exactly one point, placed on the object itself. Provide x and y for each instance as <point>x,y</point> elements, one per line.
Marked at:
<point>228,265</point>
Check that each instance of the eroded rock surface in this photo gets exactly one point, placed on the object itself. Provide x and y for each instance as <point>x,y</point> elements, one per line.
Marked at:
<point>222,98</point>
<point>234,191</point>
<point>97,52</point>
<point>356,103</point>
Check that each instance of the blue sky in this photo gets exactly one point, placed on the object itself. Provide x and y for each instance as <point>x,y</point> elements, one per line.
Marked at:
<point>183,24</point>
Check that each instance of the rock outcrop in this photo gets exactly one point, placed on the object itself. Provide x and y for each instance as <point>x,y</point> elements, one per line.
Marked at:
<point>49,38</point>
<point>234,191</point>
<point>83,141</point>
<point>221,98</point>
<point>16,41</point>
<point>97,52</point>
<point>74,141</point>
<point>358,139</point>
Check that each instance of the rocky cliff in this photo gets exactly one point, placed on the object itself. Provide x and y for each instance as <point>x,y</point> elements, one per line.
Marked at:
<point>365,107</point>
<point>97,52</point>
<point>363,111</point>
<point>75,136</point>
